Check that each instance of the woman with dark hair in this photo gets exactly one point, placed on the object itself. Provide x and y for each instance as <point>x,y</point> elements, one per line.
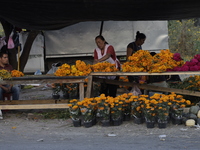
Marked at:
<point>131,49</point>
<point>136,45</point>
<point>106,52</point>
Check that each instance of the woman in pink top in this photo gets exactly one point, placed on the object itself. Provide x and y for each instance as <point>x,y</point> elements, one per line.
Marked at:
<point>106,52</point>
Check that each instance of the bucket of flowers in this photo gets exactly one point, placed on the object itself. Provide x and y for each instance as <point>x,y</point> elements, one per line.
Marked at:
<point>56,89</point>
<point>163,111</point>
<point>103,109</point>
<point>70,90</point>
<point>149,111</point>
<point>116,110</point>
<point>65,90</point>
<point>176,109</point>
<point>126,109</point>
<point>88,109</point>
<point>136,109</point>
<point>75,113</point>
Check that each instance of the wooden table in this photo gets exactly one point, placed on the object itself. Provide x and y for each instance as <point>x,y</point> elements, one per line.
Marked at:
<point>94,77</point>
<point>41,79</point>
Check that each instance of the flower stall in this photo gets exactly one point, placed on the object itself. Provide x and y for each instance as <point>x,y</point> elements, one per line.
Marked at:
<point>113,110</point>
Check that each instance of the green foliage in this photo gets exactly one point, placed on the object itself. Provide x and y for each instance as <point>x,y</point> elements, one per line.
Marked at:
<point>184,37</point>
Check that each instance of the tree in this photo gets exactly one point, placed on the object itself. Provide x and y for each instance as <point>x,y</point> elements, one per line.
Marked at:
<point>12,53</point>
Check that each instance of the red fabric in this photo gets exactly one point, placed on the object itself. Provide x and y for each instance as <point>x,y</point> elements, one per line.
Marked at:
<point>95,54</point>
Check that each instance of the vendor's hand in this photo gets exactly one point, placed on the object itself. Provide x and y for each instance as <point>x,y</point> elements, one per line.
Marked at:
<point>96,61</point>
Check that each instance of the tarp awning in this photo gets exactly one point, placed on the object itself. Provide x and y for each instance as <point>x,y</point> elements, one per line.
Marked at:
<point>56,14</point>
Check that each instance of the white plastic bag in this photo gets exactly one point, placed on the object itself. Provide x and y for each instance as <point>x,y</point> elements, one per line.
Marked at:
<point>135,90</point>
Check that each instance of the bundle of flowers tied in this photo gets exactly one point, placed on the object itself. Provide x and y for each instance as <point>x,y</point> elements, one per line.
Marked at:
<point>158,106</point>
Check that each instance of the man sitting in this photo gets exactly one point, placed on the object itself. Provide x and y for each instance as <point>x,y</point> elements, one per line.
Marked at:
<point>6,88</point>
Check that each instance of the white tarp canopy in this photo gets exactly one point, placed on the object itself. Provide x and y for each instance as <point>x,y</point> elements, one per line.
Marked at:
<point>78,39</point>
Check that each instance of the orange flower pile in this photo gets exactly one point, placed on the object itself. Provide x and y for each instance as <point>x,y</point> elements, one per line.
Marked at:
<point>79,69</point>
<point>83,69</point>
<point>142,61</point>
<point>138,62</point>
<point>104,67</point>
<point>16,73</point>
<point>63,70</point>
<point>163,61</point>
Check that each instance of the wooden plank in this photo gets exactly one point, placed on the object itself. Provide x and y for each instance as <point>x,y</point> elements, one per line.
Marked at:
<point>149,87</point>
<point>81,91</point>
<point>142,73</point>
<point>17,102</point>
<point>42,81</point>
<point>89,86</point>
<point>36,106</point>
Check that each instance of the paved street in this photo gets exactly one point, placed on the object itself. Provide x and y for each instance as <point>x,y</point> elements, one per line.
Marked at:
<point>20,133</point>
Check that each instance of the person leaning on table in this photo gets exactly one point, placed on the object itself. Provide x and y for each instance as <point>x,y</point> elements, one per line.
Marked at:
<point>131,49</point>
<point>7,88</point>
<point>106,52</point>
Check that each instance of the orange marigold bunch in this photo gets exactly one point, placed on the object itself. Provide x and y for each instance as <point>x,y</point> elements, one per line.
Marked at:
<point>143,61</point>
<point>104,67</point>
<point>81,68</point>
<point>163,61</point>
<point>63,70</point>
<point>138,62</point>
<point>16,73</point>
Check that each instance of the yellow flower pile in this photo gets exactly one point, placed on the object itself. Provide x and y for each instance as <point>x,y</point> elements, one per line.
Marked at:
<point>163,61</point>
<point>83,69</point>
<point>104,67</point>
<point>142,61</point>
<point>138,62</point>
<point>63,70</point>
<point>4,74</point>
<point>79,69</point>
<point>16,73</point>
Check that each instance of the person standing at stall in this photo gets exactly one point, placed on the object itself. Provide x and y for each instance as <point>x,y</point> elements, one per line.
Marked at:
<point>106,52</point>
<point>131,49</point>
